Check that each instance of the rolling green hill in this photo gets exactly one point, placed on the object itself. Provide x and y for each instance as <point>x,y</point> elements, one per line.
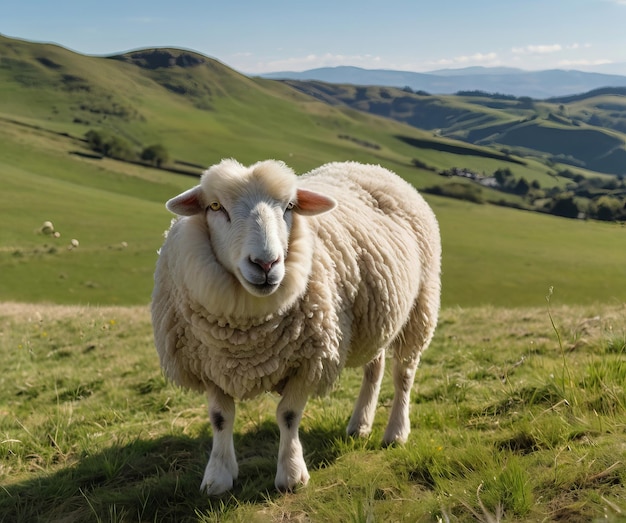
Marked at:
<point>202,111</point>
<point>585,131</point>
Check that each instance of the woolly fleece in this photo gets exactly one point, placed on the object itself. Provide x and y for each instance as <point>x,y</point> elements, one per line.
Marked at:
<point>359,279</point>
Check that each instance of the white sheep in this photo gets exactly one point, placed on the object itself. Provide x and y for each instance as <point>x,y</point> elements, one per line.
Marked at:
<point>47,227</point>
<point>259,288</point>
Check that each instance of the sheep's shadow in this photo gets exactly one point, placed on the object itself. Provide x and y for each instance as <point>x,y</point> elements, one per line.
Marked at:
<point>158,479</point>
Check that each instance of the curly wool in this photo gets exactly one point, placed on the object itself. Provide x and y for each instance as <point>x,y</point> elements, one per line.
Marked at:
<point>247,357</point>
<point>352,280</point>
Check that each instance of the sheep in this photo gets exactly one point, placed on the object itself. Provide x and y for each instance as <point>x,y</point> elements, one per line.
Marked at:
<point>271,282</point>
<point>47,227</point>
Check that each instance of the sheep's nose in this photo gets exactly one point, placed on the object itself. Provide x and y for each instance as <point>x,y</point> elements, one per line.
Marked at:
<point>265,265</point>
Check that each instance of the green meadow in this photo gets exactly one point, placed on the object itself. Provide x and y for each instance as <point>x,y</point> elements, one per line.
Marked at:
<point>492,255</point>
<point>513,420</point>
<point>519,410</point>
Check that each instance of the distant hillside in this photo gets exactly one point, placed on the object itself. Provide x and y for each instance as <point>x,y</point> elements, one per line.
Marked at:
<point>200,109</point>
<point>195,110</point>
<point>53,102</point>
<point>585,131</point>
<point>516,82</point>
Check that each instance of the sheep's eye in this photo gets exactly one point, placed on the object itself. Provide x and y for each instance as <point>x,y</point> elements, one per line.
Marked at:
<point>290,206</point>
<point>215,206</point>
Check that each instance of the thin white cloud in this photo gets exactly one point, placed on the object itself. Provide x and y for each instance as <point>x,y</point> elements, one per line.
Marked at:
<point>313,61</point>
<point>584,63</point>
<point>548,49</point>
<point>476,58</point>
<point>467,60</point>
<point>537,49</point>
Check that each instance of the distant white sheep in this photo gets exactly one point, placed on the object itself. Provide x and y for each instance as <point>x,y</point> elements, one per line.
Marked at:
<point>47,227</point>
<point>259,288</point>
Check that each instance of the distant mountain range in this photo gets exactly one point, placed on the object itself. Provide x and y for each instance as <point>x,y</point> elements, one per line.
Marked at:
<point>503,80</point>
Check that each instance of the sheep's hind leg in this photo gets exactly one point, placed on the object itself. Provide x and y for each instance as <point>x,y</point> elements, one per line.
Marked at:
<point>399,425</point>
<point>222,468</point>
<point>407,350</point>
<point>291,469</point>
<point>362,418</point>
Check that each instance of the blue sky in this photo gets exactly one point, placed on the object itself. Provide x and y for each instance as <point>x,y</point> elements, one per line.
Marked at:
<point>412,35</point>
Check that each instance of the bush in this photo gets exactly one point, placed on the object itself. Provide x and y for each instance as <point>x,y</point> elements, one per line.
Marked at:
<point>94,140</point>
<point>155,154</point>
<point>119,148</point>
<point>565,205</point>
<point>521,187</point>
<point>422,165</point>
<point>110,145</point>
<point>460,191</point>
<point>503,176</point>
<point>607,208</point>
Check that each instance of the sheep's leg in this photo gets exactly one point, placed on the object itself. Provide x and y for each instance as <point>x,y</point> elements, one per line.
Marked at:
<point>222,468</point>
<point>365,407</point>
<point>407,350</point>
<point>399,425</point>
<point>291,469</point>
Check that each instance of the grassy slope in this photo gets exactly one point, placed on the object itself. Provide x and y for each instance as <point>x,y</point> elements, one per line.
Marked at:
<point>90,431</point>
<point>240,117</point>
<point>589,129</point>
<point>491,255</point>
<point>507,421</point>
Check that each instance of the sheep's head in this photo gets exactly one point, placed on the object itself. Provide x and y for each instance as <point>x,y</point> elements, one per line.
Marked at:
<point>249,214</point>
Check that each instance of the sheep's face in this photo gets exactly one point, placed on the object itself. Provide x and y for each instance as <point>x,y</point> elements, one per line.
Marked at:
<point>250,238</point>
<point>249,215</point>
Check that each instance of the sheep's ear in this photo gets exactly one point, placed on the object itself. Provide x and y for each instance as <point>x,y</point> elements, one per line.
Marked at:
<point>310,203</point>
<point>187,203</point>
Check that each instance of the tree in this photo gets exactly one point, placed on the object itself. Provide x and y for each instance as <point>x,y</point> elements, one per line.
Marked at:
<point>565,205</point>
<point>521,187</point>
<point>109,145</point>
<point>119,148</point>
<point>156,154</point>
<point>607,208</point>
<point>525,102</point>
<point>95,141</point>
<point>503,175</point>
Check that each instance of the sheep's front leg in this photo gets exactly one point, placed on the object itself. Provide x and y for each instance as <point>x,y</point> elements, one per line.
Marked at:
<point>291,469</point>
<point>365,407</point>
<point>222,468</point>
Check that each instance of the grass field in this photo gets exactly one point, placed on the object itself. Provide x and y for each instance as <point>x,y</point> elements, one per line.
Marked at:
<point>513,420</point>
<point>492,255</point>
<point>519,409</point>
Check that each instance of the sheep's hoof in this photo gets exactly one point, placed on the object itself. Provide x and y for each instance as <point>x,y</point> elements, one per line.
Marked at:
<point>217,480</point>
<point>359,431</point>
<point>286,484</point>
<point>391,439</point>
<point>213,488</point>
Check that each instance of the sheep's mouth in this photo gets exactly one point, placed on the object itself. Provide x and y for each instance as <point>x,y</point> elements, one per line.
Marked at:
<point>264,289</point>
<point>259,284</point>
